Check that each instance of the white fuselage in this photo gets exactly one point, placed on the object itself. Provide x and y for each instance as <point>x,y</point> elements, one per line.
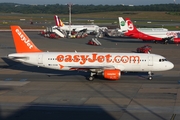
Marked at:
<point>146,30</point>
<point>152,29</point>
<point>122,61</point>
<point>90,28</point>
<point>162,34</point>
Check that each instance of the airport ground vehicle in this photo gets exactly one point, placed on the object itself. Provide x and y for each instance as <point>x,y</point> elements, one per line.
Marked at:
<point>144,49</point>
<point>94,41</point>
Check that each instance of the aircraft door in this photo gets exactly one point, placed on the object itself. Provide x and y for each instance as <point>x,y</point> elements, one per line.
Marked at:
<point>40,59</point>
<point>150,60</point>
<point>178,35</point>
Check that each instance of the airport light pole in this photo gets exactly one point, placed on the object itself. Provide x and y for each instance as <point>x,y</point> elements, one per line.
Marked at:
<point>69,19</point>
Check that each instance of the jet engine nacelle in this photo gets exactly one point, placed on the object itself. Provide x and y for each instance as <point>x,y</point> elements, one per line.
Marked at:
<point>176,40</point>
<point>112,74</point>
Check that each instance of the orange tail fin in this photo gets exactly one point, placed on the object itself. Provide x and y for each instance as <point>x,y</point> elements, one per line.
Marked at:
<point>58,21</point>
<point>22,41</point>
<point>61,23</point>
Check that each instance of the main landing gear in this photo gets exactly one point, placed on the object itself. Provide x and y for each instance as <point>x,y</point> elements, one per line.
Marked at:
<point>150,75</point>
<point>166,41</point>
<point>92,76</point>
<point>155,41</point>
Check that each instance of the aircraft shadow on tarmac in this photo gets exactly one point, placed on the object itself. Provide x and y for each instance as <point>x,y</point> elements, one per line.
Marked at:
<point>68,112</point>
<point>133,40</point>
<point>57,112</point>
<point>126,40</point>
<point>47,111</point>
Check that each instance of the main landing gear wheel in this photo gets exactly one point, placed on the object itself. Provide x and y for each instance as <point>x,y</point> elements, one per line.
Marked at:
<point>166,41</point>
<point>91,78</point>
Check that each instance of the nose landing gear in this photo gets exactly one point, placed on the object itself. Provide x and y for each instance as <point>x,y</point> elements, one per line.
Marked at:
<point>150,75</point>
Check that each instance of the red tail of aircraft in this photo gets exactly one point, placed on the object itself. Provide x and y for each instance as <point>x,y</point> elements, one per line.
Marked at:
<point>135,33</point>
<point>131,27</point>
<point>58,21</point>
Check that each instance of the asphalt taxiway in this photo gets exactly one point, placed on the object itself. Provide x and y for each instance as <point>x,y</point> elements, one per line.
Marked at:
<point>29,92</point>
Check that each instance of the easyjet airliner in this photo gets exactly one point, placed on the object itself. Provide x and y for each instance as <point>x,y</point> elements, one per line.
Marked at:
<point>110,65</point>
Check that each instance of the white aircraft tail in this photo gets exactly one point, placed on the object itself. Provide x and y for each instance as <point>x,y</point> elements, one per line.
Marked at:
<point>122,24</point>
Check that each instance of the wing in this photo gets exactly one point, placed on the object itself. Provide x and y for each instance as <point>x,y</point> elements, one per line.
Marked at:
<point>100,68</point>
<point>90,67</point>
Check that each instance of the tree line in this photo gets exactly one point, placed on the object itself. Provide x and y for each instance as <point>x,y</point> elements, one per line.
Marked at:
<point>78,9</point>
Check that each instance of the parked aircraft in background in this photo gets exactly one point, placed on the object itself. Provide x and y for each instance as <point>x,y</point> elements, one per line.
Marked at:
<point>123,28</point>
<point>162,36</point>
<point>119,32</point>
<point>89,28</point>
<point>110,65</point>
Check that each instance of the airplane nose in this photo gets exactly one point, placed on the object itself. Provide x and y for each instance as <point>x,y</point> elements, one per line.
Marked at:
<point>170,65</point>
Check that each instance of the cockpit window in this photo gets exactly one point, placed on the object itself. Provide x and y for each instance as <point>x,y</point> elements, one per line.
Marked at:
<point>162,60</point>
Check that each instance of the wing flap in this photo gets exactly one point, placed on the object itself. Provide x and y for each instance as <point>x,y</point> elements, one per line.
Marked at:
<point>86,68</point>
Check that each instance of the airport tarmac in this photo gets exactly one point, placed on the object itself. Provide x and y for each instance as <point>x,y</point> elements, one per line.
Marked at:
<point>29,92</point>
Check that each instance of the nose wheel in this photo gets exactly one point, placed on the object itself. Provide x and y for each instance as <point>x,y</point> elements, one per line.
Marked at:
<point>150,78</point>
<point>150,75</point>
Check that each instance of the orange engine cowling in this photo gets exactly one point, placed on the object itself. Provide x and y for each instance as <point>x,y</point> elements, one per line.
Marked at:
<point>112,74</point>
